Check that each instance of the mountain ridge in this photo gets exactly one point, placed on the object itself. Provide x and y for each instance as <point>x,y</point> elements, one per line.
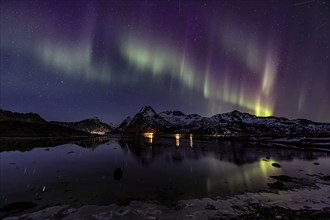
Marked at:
<point>6,115</point>
<point>92,125</point>
<point>13,124</point>
<point>231,123</point>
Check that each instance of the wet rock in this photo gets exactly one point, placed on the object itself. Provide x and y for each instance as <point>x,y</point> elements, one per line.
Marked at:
<point>122,211</point>
<point>277,185</point>
<point>188,205</point>
<point>326,178</point>
<point>284,182</point>
<point>284,213</point>
<point>210,207</point>
<point>17,207</point>
<point>174,205</point>
<point>118,174</point>
<point>284,178</point>
<point>313,175</point>
<point>276,165</point>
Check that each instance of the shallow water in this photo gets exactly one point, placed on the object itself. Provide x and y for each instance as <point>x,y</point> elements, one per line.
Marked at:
<point>117,169</point>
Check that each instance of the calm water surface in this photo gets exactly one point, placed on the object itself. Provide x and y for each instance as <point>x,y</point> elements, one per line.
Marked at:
<point>117,169</point>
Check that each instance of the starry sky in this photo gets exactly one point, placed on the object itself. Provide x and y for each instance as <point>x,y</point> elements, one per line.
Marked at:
<point>71,60</point>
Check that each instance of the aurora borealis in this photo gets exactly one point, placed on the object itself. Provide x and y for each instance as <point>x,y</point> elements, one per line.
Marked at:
<point>69,60</point>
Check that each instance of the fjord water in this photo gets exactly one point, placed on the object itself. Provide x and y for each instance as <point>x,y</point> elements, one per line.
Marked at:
<point>119,169</point>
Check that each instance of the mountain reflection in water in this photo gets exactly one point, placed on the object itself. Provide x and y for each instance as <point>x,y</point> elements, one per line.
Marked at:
<point>119,168</point>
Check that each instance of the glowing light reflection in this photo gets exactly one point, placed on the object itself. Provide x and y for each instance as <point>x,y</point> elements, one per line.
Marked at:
<point>266,167</point>
<point>191,141</point>
<point>98,132</point>
<point>177,140</point>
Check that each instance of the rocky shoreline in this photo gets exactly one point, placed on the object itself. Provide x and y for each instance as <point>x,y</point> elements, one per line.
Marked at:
<point>286,198</point>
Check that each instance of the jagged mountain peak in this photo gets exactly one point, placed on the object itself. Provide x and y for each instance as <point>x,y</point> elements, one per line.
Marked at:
<point>147,110</point>
<point>125,122</point>
<point>174,113</point>
<point>95,118</point>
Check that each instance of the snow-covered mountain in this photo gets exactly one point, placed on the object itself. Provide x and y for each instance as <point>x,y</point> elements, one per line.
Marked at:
<point>93,125</point>
<point>146,120</point>
<point>232,123</point>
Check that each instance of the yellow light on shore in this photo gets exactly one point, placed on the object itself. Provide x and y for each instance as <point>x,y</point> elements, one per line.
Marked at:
<point>149,135</point>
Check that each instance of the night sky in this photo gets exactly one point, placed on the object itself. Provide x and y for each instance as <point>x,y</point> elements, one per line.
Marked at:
<point>71,60</point>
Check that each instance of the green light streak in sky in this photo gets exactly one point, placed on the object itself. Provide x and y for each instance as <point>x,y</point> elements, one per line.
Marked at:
<point>73,61</point>
<point>161,60</point>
